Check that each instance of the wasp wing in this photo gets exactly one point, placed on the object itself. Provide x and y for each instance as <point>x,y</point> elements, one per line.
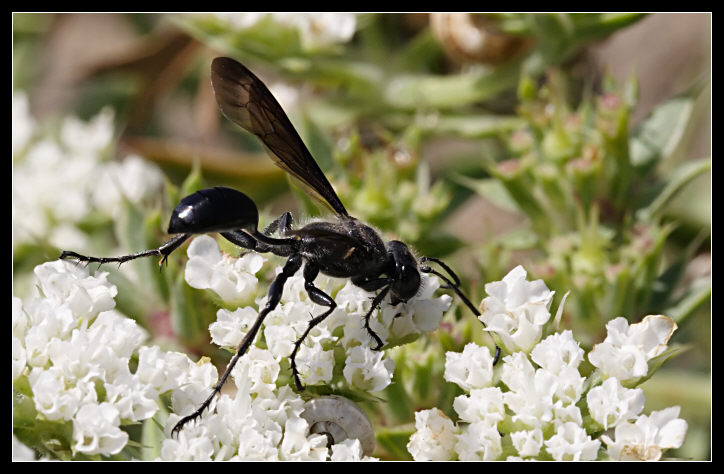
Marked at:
<point>246,101</point>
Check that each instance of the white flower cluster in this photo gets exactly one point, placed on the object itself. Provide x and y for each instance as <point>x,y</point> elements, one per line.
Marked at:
<point>540,400</point>
<point>316,30</point>
<point>75,179</point>
<point>260,423</point>
<point>74,349</point>
<point>232,279</point>
<point>362,367</point>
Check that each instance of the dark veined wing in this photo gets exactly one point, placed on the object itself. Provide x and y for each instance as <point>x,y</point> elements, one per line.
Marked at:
<point>246,101</point>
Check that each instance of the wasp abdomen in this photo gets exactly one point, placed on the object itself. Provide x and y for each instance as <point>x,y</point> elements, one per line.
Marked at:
<point>216,209</point>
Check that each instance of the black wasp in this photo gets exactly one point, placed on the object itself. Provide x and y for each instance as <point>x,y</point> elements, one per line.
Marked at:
<point>343,247</point>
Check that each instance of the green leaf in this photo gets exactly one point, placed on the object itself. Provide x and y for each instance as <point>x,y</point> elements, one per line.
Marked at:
<point>698,293</point>
<point>318,144</point>
<point>684,387</point>
<point>412,92</point>
<point>438,243</point>
<point>193,182</point>
<point>518,239</point>
<point>682,176</point>
<point>491,189</point>
<point>394,441</point>
<point>186,311</point>
<point>559,35</point>
<point>152,435</point>
<point>656,139</point>
<point>470,126</point>
<point>398,405</point>
<point>656,362</point>
<point>665,285</point>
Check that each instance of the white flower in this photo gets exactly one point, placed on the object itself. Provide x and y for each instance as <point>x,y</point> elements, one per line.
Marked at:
<point>133,179</point>
<point>121,335</point>
<point>557,351</point>
<point>54,398</point>
<point>531,391</point>
<point>420,314</point>
<point>481,405</point>
<point>471,369</point>
<point>367,369</point>
<point>66,169</point>
<point>134,400</point>
<point>527,442</point>
<point>186,447</point>
<point>315,365</point>
<point>96,431</point>
<point>324,29</point>
<point>625,352</point>
<point>569,385</point>
<point>165,371</point>
<point>20,452</point>
<point>260,367</point>
<point>434,438</point>
<point>64,283</point>
<point>230,326</point>
<point>78,354</point>
<point>87,139</point>
<point>611,403</point>
<point>356,302</point>
<point>516,310</point>
<point>280,405</point>
<point>572,443</point>
<point>232,278</point>
<point>46,321</point>
<point>349,450</point>
<point>289,321</point>
<point>317,30</point>
<point>19,318</point>
<point>19,359</point>
<point>79,359</point>
<point>566,413</point>
<point>63,180</point>
<point>648,437</point>
<point>296,446</point>
<point>479,441</point>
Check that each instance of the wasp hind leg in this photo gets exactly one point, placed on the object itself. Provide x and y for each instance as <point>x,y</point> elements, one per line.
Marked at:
<point>276,289</point>
<point>163,251</point>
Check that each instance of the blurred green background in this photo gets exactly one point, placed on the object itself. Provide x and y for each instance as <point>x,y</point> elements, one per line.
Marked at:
<point>578,145</point>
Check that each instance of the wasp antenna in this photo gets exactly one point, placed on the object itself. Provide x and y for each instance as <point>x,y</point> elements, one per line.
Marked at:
<point>464,299</point>
<point>444,266</point>
<point>453,287</point>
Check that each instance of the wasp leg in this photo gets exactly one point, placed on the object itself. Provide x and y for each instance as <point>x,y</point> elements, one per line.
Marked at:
<point>163,251</point>
<point>242,239</point>
<point>247,241</point>
<point>276,289</point>
<point>375,304</point>
<point>262,243</point>
<point>320,298</point>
